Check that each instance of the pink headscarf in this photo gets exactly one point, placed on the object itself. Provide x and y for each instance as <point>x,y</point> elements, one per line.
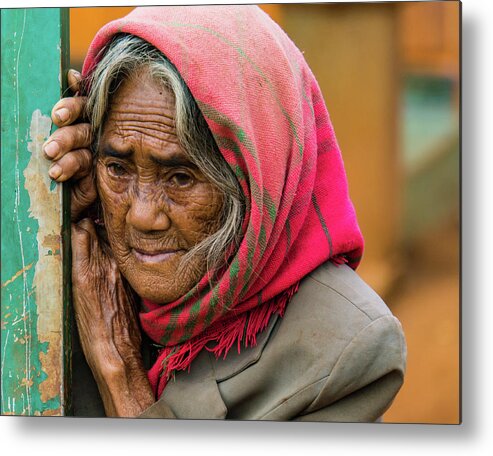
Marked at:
<point>266,112</point>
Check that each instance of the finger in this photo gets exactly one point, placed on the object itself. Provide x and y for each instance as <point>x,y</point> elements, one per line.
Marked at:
<point>81,247</point>
<point>67,139</point>
<point>84,244</point>
<point>84,194</point>
<point>67,110</point>
<point>75,164</point>
<point>87,225</point>
<point>74,79</point>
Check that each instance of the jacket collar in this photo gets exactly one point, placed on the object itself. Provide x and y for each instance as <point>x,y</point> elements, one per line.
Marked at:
<point>237,362</point>
<point>200,383</point>
<point>206,372</point>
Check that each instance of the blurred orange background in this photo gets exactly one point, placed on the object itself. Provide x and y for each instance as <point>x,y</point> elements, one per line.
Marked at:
<point>390,77</point>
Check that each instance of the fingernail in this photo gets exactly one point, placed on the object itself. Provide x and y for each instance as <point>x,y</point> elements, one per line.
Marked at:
<point>74,72</point>
<point>51,149</point>
<point>55,171</point>
<point>63,114</point>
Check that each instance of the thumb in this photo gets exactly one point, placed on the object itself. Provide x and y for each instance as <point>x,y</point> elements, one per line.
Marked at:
<point>84,194</point>
<point>83,239</point>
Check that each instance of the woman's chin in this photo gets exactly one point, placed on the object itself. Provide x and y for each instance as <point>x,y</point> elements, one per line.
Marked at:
<point>161,285</point>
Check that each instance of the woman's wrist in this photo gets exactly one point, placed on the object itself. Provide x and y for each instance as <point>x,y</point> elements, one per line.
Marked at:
<point>122,381</point>
<point>128,392</point>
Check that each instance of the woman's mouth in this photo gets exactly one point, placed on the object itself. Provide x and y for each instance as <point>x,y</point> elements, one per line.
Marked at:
<point>156,256</point>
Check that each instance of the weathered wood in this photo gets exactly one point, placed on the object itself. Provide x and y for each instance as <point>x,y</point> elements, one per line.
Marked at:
<point>35,345</point>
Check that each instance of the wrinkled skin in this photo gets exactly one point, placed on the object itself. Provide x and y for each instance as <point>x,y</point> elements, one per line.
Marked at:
<point>156,205</point>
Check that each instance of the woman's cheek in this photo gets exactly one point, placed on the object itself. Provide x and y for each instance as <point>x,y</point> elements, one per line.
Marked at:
<point>204,210</point>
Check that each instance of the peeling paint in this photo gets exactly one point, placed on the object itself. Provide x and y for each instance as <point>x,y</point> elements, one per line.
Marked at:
<point>50,361</point>
<point>45,207</point>
<point>18,274</point>
<point>50,413</point>
<point>26,381</point>
<point>52,243</point>
<point>35,337</point>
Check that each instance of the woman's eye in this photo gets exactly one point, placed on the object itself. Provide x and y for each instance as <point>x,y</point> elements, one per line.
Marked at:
<point>116,169</point>
<point>181,180</point>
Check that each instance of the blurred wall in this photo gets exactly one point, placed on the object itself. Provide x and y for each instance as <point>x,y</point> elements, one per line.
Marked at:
<point>352,49</point>
<point>84,23</point>
<point>429,37</point>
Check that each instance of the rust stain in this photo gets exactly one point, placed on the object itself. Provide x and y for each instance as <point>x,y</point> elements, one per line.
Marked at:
<point>52,242</point>
<point>26,382</point>
<point>45,207</point>
<point>55,412</point>
<point>51,362</point>
<point>17,274</point>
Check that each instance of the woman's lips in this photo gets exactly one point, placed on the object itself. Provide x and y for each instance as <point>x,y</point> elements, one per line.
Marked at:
<point>154,257</point>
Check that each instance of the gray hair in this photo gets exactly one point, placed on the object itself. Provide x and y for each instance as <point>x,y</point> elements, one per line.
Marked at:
<point>123,57</point>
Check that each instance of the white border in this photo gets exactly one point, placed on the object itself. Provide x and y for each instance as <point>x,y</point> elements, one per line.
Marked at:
<point>474,437</point>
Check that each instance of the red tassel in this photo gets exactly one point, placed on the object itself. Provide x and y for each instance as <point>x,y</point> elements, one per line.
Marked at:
<point>249,324</point>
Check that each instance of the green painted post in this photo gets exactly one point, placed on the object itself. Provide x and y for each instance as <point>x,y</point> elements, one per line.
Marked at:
<point>35,318</point>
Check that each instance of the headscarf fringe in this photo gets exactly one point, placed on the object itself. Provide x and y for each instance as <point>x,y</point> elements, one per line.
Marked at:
<point>243,328</point>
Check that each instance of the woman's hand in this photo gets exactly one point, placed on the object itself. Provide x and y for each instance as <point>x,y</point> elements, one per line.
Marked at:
<point>107,324</point>
<point>69,147</point>
<point>106,320</point>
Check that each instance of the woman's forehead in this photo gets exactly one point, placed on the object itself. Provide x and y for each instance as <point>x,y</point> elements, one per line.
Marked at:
<point>166,157</point>
<point>142,92</point>
<point>141,116</point>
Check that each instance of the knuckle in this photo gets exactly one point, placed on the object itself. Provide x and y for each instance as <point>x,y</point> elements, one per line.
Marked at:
<point>85,135</point>
<point>86,158</point>
<point>77,106</point>
<point>72,137</point>
<point>62,138</point>
<point>71,162</point>
<point>77,163</point>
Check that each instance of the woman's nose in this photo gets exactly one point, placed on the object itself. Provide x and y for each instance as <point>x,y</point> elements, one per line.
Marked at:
<point>145,214</point>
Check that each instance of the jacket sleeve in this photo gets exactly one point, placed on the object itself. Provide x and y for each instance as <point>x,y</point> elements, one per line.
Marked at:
<point>366,377</point>
<point>363,382</point>
<point>158,410</point>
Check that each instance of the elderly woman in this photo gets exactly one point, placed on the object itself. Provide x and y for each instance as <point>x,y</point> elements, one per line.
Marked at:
<point>224,234</point>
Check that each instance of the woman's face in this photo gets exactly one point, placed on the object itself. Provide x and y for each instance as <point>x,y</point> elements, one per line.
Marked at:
<point>157,205</point>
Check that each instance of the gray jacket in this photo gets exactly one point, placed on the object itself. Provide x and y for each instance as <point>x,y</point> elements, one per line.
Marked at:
<point>338,354</point>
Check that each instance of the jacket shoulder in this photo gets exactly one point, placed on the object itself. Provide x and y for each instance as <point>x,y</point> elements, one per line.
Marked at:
<point>333,310</point>
<point>343,281</point>
<point>337,336</point>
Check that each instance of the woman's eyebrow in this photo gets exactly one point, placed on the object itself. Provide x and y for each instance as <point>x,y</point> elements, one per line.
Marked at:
<point>168,162</point>
<point>174,161</point>
<point>109,152</point>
